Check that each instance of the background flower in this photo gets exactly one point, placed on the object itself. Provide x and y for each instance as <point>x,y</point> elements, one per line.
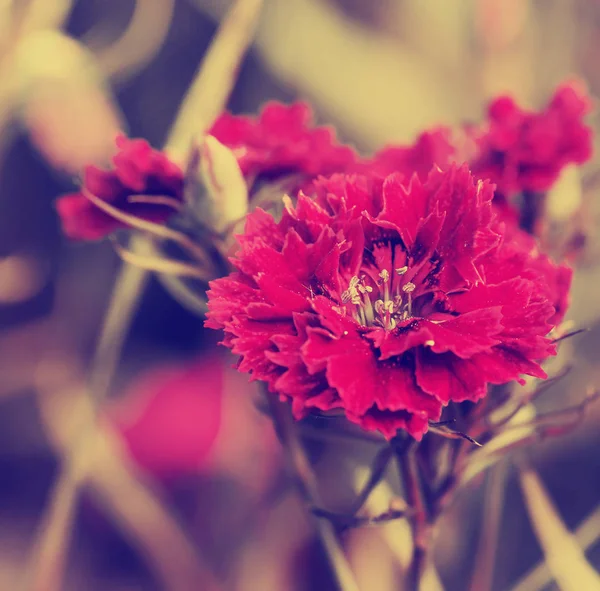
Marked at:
<point>282,141</point>
<point>139,178</point>
<point>170,416</point>
<point>522,150</point>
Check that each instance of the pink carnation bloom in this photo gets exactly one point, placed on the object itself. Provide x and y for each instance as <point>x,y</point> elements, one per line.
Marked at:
<point>521,150</point>
<point>137,170</point>
<point>282,141</point>
<point>385,300</point>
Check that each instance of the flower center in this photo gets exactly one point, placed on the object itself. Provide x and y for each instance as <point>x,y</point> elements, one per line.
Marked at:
<point>380,299</point>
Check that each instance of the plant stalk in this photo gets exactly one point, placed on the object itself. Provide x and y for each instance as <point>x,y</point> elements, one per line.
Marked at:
<point>406,458</point>
<point>307,487</point>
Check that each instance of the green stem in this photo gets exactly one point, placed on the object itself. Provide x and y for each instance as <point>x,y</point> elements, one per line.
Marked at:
<point>411,481</point>
<point>307,487</point>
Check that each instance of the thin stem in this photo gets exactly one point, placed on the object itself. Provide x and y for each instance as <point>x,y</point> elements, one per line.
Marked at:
<point>160,264</point>
<point>411,480</point>
<point>380,464</point>
<point>139,43</point>
<point>127,291</point>
<point>157,200</point>
<point>443,431</point>
<point>184,294</point>
<point>346,521</point>
<point>159,230</point>
<point>50,551</point>
<point>312,432</point>
<point>307,487</point>
<point>208,93</point>
<point>570,334</point>
<point>483,572</point>
<point>51,546</point>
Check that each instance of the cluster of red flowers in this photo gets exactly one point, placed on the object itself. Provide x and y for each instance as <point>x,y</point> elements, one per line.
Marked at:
<point>392,285</point>
<point>281,142</point>
<point>522,151</point>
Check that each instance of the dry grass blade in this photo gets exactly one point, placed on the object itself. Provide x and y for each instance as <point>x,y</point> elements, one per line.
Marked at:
<point>102,463</point>
<point>51,548</point>
<point>141,40</point>
<point>564,557</point>
<point>51,545</point>
<point>65,106</point>
<point>586,534</point>
<point>159,264</point>
<point>483,572</point>
<point>149,524</point>
<point>209,91</point>
<point>129,285</point>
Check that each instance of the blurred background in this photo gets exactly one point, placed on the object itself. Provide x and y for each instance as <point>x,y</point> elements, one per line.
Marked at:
<point>189,471</point>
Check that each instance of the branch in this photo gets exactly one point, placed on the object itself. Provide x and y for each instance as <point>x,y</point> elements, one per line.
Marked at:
<point>347,521</point>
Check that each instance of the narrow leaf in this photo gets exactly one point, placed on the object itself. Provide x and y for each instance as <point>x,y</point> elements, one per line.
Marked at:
<point>208,93</point>
<point>564,557</point>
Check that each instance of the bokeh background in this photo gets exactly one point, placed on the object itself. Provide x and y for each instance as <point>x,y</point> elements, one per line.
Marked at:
<point>186,449</point>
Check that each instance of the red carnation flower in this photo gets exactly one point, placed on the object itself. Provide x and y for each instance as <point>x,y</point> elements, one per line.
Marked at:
<point>431,148</point>
<point>525,151</point>
<point>384,299</point>
<point>280,142</point>
<point>138,172</point>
